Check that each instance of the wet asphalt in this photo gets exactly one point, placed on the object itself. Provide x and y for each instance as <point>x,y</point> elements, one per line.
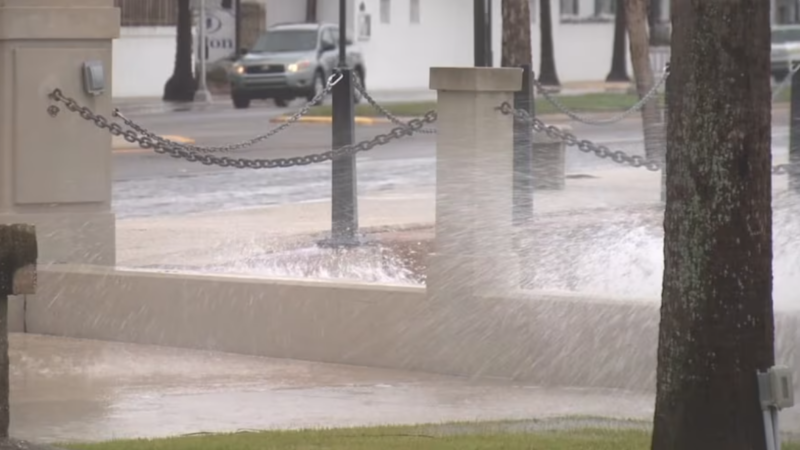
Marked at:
<point>147,184</point>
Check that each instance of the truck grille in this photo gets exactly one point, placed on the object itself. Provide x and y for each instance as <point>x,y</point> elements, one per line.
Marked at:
<point>269,68</point>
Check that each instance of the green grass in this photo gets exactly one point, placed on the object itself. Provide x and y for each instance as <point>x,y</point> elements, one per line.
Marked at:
<point>424,437</point>
<point>584,103</point>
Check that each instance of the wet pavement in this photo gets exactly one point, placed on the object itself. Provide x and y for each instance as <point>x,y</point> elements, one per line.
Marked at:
<point>66,390</point>
<point>146,184</point>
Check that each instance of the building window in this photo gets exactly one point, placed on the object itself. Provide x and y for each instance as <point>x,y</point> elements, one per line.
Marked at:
<point>386,11</point>
<point>576,11</point>
<point>413,12</point>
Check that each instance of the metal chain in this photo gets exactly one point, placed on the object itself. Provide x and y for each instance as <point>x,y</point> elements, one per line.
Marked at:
<point>540,89</point>
<point>332,81</point>
<point>177,151</point>
<point>785,82</point>
<point>378,107</point>
<point>601,150</point>
<point>583,145</point>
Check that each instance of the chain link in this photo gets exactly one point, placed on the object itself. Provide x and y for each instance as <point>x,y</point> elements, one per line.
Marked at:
<point>332,81</point>
<point>785,82</point>
<point>583,145</point>
<point>601,150</point>
<point>177,151</point>
<point>540,89</point>
<point>385,112</point>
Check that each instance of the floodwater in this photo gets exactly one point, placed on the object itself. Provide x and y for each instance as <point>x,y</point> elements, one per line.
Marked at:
<point>66,390</point>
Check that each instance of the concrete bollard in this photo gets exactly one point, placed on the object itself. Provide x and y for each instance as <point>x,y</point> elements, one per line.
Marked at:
<point>18,254</point>
<point>549,161</point>
<point>57,173</point>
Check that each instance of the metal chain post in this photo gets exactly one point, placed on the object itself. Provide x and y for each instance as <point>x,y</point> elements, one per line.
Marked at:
<point>177,151</point>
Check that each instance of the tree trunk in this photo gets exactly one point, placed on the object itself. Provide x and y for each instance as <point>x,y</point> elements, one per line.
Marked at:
<point>619,69</point>
<point>516,41</point>
<point>717,325</point>
<point>547,66</point>
<point>636,19</point>
<point>311,11</point>
<point>182,85</point>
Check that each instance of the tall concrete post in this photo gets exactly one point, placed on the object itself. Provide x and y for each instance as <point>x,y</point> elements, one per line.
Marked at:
<point>56,172</point>
<point>474,244</point>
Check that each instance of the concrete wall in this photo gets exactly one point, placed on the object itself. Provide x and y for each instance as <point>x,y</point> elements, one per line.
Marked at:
<point>143,61</point>
<point>543,338</point>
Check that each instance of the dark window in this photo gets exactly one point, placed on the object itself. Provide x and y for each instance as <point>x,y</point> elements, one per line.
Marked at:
<point>278,41</point>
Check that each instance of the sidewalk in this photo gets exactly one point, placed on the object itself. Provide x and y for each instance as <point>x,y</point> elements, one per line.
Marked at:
<point>81,390</point>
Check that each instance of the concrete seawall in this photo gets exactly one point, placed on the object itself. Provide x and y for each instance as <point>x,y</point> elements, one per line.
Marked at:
<point>548,339</point>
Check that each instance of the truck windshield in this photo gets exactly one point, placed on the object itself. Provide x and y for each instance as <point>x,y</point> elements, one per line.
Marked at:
<point>277,41</point>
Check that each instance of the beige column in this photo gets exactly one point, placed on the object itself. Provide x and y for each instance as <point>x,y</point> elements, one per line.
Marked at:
<point>56,172</point>
<point>474,167</point>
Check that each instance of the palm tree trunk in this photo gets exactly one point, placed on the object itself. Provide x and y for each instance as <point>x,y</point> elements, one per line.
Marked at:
<point>516,41</point>
<point>311,11</point>
<point>547,66</point>
<point>182,84</point>
<point>636,18</point>
<point>619,69</point>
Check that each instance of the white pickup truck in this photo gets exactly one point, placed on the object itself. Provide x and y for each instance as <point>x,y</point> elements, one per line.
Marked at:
<point>785,50</point>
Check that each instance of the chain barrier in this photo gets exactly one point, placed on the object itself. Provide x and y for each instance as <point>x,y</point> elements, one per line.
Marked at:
<point>600,151</point>
<point>162,146</point>
<point>785,82</point>
<point>332,81</point>
<point>385,112</point>
<point>553,100</point>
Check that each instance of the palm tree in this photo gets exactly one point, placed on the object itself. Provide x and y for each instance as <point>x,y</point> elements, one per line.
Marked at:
<point>619,69</point>
<point>182,84</point>
<point>311,11</point>
<point>547,67</point>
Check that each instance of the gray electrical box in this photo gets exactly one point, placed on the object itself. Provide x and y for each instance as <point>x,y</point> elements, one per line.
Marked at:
<point>775,387</point>
<point>94,78</point>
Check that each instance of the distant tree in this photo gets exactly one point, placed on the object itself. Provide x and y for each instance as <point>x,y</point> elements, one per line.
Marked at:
<point>311,11</point>
<point>516,40</point>
<point>636,21</point>
<point>182,85</point>
<point>717,326</point>
<point>547,65</point>
<point>619,66</point>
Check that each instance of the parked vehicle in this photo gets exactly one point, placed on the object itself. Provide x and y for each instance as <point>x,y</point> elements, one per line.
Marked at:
<point>290,61</point>
<point>785,50</point>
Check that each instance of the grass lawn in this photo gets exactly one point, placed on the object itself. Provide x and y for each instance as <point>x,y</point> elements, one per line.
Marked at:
<point>423,437</point>
<point>595,102</point>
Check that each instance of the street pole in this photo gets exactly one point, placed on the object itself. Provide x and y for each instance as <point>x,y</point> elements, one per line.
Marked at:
<point>489,58</point>
<point>479,31</point>
<point>238,20</point>
<point>794,134</point>
<point>344,180</point>
<point>202,94</point>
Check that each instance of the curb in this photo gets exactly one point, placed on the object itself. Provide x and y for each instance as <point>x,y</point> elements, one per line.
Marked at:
<point>120,145</point>
<point>327,120</point>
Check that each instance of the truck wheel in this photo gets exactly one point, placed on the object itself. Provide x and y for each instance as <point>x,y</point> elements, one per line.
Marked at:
<point>281,102</point>
<point>356,93</point>
<point>240,101</point>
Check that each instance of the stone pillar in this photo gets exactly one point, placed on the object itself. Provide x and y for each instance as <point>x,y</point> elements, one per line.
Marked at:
<point>56,172</point>
<point>474,244</point>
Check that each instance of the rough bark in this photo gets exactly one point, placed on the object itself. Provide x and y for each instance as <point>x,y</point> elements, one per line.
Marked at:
<point>717,325</point>
<point>636,19</point>
<point>311,11</point>
<point>547,65</point>
<point>619,69</point>
<point>182,85</point>
<point>516,41</point>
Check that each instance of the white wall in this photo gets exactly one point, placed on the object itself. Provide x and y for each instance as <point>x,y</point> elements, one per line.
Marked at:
<point>143,59</point>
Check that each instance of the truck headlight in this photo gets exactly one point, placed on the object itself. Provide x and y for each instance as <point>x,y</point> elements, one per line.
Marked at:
<point>238,69</point>
<point>298,66</point>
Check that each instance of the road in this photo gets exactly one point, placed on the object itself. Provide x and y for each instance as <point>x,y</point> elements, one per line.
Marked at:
<point>149,184</point>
